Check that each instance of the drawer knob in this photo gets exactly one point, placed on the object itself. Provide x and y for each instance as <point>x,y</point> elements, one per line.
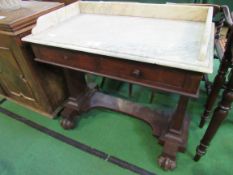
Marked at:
<point>65,57</point>
<point>136,73</point>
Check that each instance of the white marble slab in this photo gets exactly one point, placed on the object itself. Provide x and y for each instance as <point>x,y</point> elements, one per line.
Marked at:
<point>168,42</point>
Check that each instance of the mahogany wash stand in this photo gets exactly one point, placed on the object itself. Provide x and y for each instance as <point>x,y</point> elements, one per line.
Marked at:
<point>169,126</point>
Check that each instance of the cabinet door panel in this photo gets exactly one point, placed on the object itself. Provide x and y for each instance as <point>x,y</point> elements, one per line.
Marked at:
<point>12,78</point>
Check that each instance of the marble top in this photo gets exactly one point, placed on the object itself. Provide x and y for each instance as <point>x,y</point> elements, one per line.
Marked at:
<point>167,42</point>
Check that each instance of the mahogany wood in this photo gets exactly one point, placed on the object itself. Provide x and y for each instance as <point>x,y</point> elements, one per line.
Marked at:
<point>219,115</point>
<point>225,64</point>
<point>163,78</point>
<point>174,136</point>
<point>224,106</point>
<point>217,85</point>
<point>171,127</point>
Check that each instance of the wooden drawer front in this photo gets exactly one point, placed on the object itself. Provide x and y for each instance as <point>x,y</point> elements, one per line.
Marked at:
<point>12,79</point>
<point>159,77</point>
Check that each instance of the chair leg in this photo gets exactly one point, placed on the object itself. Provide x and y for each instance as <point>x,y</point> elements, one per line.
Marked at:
<point>217,85</point>
<point>219,115</point>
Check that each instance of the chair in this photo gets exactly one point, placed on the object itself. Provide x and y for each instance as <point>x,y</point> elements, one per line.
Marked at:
<point>225,63</point>
<point>221,111</point>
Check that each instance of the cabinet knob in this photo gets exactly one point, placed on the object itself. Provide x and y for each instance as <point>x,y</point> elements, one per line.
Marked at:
<point>65,57</point>
<point>136,73</point>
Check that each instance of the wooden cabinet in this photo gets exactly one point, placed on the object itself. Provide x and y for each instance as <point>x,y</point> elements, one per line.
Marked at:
<point>12,78</point>
<point>37,86</point>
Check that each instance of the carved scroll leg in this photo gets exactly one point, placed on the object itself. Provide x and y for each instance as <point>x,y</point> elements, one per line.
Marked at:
<point>76,86</point>
<point>68,118</point>
<point>175,137</point>
<point>167,160</point>
<point>219,115</point>
<point>218,83</point>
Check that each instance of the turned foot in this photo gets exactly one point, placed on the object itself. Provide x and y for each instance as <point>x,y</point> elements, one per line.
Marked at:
<point>166,162</point>
<point>200,151</point>
<point>67,123</point>
<point>68,118</point>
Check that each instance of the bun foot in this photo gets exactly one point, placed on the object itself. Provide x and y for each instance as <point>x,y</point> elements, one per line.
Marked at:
<point>67,123</point>
<point>166,163</point>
